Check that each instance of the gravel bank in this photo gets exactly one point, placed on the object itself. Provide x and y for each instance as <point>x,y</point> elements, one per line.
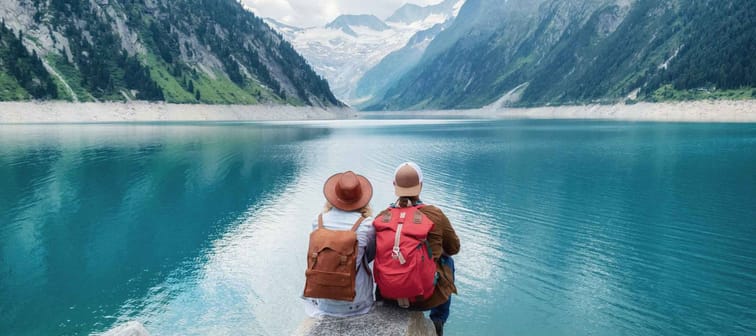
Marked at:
<point>696,111</point>
<point>64,112</point>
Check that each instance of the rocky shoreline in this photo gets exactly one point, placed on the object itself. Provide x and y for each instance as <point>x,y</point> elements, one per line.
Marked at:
<point>694,111</point>
<point>64,112</point>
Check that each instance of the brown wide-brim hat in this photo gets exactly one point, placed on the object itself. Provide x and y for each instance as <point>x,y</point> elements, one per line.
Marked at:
<point>348,191</point>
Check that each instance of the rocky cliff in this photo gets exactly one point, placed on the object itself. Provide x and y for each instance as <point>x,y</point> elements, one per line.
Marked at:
<point>525,52</point>
<point>183,51</point>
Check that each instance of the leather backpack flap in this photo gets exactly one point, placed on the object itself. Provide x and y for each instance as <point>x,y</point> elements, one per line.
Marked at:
<point>335,265</point>
<point>331,265</point>
<point>326,245</point>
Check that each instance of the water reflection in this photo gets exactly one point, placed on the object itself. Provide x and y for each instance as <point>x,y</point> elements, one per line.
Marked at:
<point>96,216</point>
<point>567,227</point>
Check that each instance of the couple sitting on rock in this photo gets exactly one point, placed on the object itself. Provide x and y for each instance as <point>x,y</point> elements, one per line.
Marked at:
<point>410,243</point>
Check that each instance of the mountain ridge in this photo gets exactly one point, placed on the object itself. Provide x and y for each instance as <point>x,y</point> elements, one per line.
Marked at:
<point>376,81</point>
<point>343,51</point>
<point>346,22</point>
<point>409,12</point>
<point>577,52</point>
<point>182,51</point>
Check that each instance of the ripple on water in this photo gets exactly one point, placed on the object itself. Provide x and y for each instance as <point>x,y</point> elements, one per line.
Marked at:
<point>567,228</point>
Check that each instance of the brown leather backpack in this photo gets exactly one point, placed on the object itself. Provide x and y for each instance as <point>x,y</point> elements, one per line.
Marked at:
<point>331,263</point>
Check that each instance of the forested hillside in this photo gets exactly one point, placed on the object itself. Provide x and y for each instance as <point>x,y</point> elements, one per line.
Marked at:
<point>572,52</point>
<point>182,51</point>
<point>22,75</point>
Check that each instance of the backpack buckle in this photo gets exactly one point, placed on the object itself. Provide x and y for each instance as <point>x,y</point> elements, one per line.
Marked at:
<point>397,255</point>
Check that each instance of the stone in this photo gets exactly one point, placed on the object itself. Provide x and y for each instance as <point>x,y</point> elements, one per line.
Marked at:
<point>383,320</point>
<point>132,328</point>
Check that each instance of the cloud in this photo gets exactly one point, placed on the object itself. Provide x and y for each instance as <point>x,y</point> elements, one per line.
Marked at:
<point>306,13</point>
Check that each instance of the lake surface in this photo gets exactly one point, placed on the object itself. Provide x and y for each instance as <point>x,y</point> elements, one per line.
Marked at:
<point>567,227</point>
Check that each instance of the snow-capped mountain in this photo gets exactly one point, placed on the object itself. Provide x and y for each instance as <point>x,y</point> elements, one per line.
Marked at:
<point>348,47</point>
<point>411,13</point>
<point>346,22</point>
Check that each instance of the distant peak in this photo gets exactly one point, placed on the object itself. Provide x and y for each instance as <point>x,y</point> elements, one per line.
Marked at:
<point>410,13</point>
<point>348,21</point>
<point>274,22</point>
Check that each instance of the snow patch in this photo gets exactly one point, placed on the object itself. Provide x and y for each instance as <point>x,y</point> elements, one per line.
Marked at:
<point>343,59</point>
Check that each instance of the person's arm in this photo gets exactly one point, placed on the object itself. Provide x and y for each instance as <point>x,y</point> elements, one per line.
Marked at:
<point>443,239</point>
<point>435,239</point>
<point>451,240</point>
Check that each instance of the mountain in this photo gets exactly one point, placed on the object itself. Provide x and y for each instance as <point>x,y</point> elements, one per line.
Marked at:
<point>22,74</point>
<point>282,26</point>
<point>346,22</point>
<point>567,51</point>
<point>410,13</point>
<point>344,50</point>
<point>374,83</point>
<point>182,51</point>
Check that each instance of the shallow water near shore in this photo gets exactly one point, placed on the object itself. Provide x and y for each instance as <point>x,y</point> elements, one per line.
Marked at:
<point>567,227</point>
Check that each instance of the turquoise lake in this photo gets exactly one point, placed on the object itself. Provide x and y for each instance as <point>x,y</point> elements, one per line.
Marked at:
<point>567,227</point>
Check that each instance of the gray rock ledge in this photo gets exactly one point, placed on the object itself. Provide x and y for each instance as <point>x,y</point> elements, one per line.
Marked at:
<point>383,320</point>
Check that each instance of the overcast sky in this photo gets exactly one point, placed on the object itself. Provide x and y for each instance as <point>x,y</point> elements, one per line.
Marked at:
<point>306,13</point>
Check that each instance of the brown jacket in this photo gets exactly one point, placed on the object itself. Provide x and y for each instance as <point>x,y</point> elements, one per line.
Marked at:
<point>443,240</point>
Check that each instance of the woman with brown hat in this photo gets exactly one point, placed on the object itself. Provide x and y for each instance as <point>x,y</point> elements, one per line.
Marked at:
<point>347,214</point>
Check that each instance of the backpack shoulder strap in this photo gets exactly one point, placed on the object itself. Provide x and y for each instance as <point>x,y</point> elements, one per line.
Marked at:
<point>320,221</point>
<point>418,217</point>
<point>386,216</point>
<point>357,223</point>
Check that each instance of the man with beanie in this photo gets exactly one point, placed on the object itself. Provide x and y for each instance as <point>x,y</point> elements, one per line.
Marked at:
<point>443,241</point>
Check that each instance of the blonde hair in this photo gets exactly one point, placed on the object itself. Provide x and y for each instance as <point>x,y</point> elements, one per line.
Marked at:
<point>366,211</point>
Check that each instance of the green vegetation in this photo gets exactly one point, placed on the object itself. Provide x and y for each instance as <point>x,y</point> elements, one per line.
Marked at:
<point>191,86</point>
<point>24,75</point>
<point>172,90</point>
<point>105,71</point>
<point>70,75</point>
<point>63,93</point>
<point>10,90</point>
<point>221,90</point>
<point>719,47</point>
<point>179,51</point>
<point>667,50</point>
<point>668,93</point>
<point>241,42</point>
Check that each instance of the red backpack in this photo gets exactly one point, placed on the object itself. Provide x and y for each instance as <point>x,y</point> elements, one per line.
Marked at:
<point>404,268</point>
